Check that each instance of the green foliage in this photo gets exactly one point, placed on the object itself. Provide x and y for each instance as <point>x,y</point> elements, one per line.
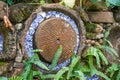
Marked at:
<point>3,78</point>
<point>118,75</point>
<point>95,0</point>
<point>10,2</point>
<point>16,78</point>
<point>72,65</point>
<point>2,63</point>
<point>42,2</point>
<point>60,73</point>
<point>73,71</point>
<point>109,2</point>
<point>97,53</point>
<point>68,3</point>
<point>56,57</point>
<point>113,2</point>
<point>113,69</point>
<point>93,70</point>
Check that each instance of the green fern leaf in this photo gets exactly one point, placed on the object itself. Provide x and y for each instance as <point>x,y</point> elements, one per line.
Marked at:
<point>16,78</point>
<point>56,57</point>
<point>103,58</point>
<point>72,65</point>
<point>118,75</point>
<point>81,75</point>
<point>60,73</point>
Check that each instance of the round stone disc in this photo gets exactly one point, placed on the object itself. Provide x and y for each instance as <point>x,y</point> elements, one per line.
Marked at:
<point>54,32</point>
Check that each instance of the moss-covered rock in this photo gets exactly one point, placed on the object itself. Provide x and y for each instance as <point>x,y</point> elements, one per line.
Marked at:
<point>20,12</point>
<point>3,6</point>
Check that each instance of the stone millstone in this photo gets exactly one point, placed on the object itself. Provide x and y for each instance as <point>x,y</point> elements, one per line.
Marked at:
<point>54,32</point>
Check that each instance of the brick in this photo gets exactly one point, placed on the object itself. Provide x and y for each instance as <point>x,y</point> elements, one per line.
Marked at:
<point>101,17</point>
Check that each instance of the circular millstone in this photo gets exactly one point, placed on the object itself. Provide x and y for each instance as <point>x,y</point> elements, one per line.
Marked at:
<point>54,32</point>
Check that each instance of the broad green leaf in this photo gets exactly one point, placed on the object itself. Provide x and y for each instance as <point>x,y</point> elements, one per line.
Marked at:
<point>81,75</point>
<point>3,78</point>
<point>60,73</point>
<point>56,57</point>
<point>72,65</point>
<point>9,2</point>
<point>69,3</point>
<point>114,2</point>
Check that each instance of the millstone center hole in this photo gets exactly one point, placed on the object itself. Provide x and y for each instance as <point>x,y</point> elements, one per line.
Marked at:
<point>58,40</point>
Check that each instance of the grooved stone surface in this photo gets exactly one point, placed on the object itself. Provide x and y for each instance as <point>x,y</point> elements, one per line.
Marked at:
<point>54,32</point>
<point>103,17</point>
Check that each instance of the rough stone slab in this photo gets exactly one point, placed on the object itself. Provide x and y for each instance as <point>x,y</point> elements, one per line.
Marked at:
<point>18,65</point>
<point>101,17</point>
<point>19,58</point>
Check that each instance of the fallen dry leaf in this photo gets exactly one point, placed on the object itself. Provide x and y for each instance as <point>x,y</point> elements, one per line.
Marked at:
<point>7,23</point>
